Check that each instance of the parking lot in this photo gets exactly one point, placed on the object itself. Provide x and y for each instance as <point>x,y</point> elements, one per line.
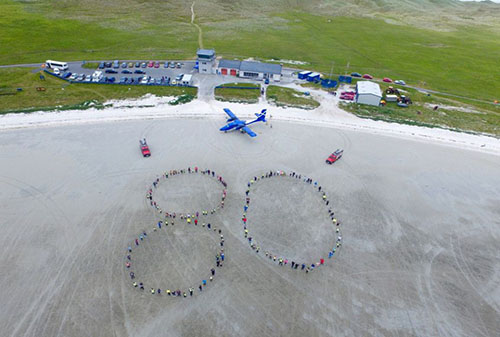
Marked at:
<point>132,72</point>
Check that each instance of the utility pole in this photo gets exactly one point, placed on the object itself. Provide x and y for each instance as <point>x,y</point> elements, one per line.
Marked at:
<point>331,70</point>
<point>347,68</point>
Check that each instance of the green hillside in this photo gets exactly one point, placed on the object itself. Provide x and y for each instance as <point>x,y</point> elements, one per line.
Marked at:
<point>444,45</point>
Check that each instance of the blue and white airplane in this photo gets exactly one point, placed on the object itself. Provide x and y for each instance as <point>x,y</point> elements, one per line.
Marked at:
<point>234,123</point>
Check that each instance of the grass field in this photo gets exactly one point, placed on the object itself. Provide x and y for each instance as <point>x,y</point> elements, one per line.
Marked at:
<point>238,95</point>
<point>289,97</point>
<point>463,61</point>
<point>59,93</point>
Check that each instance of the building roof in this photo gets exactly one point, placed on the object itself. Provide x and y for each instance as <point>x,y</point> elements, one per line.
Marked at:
<point>258,67</point>
<point>187,77</point>
<point>367,87</point>
<point>232,64</point>
<point>206,52</point>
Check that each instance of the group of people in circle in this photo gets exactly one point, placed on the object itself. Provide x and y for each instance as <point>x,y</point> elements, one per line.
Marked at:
<point>193,219</point>
<point>187,219</point>
<point>186,216</point>
<point>280,260</point>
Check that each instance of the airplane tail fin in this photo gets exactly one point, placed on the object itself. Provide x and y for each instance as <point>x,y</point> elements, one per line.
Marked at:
<point>261,117</point>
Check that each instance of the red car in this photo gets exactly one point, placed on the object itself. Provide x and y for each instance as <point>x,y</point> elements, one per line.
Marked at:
<point>144,148</point>
<point>334,156</point>
<point>157,64</point>
<point>368,77</point>
<point>150,64</point>
<point>387,79</point>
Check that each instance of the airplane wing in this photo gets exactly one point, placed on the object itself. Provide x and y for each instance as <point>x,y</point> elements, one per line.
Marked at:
<point>230,114</point>
<point>249,131</point>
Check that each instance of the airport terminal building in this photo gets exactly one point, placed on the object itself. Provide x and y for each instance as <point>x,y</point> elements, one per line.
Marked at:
<point>250,69</point>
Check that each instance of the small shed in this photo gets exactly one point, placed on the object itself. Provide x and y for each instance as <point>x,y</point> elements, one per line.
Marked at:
<point>368,93</point>
<point>328,83</point>
<point>303,74</point>
<point>313,77</point>
<point>345,79</point>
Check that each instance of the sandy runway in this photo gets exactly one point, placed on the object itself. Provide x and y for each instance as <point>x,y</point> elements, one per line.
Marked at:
<point>421,231</point>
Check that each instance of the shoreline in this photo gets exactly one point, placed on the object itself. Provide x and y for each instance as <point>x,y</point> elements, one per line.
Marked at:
<point>327,115</point>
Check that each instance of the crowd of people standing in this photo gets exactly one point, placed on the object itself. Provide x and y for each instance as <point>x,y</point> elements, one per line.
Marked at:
<point>189,219</point>
<point>277,258</point>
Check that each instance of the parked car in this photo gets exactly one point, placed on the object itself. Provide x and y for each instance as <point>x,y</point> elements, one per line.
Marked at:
<point>126,71</point>
<point>151,81</point>
<point>123,80</point>
<point>139,71</point>
<point>334,156</point>
<point>400,82</point>
<point>166,81</point>
<point>66,75</point>
<point>173,82</point>
<point>96,76</point>
<point>80,77</point>
<point>116,64</point>
<point>387,80</point>
<point>368,77</point>
<point>74,76</point>
<point>88,79</point>
<point>179,77</point>
<point>150,64</point>
<point>157,64</point>
<point>107,64</point>
<point>131,64</point>
<point>130,80</point>
<point>111,79</point>
<point>179,65</point>
<point>172,65</point>
<point>165,65</point>
<point>145,80</point>
<point>355,74</point>
<point>137,64</point>
<point>143,65</point>
<point>101,65</point>
<point>158,81</point>
<point>110,71</point>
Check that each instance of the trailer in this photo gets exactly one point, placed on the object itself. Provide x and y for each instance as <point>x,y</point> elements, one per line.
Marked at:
<point>303,75</point>
<point>314,77</point>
